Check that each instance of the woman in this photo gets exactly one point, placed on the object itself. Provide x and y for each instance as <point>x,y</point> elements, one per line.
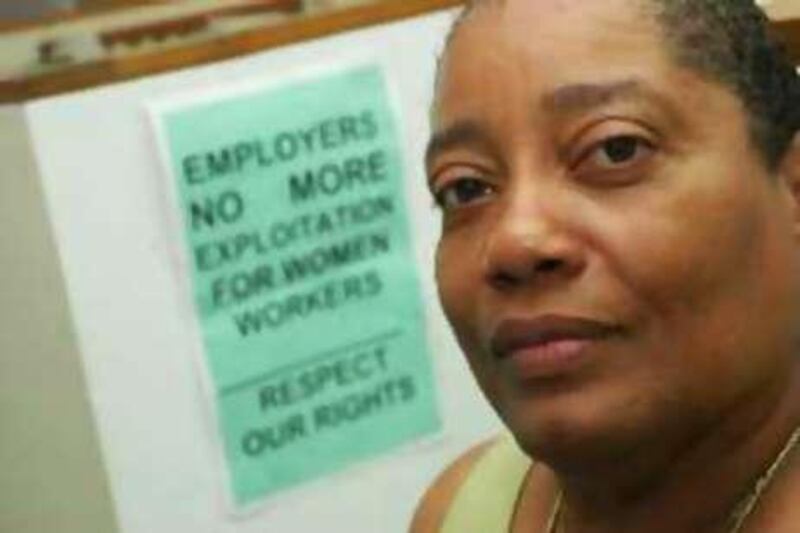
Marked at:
<point>619,260</point>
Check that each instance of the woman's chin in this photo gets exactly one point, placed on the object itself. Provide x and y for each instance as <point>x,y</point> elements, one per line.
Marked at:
<point>579,431</point>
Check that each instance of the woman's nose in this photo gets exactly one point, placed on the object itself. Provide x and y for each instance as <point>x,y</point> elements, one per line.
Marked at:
<point>532,242</point>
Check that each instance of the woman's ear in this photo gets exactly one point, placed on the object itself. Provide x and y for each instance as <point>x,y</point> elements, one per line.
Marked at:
<point>789,173</point>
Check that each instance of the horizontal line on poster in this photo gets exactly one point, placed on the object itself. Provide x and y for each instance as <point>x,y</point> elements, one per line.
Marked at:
<point>327,354</point>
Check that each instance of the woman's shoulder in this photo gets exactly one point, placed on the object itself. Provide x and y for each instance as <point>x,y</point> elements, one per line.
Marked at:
<point>483,485</point>
<point>437,500</point>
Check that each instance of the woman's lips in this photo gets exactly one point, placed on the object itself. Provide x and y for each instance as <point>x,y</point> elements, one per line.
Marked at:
<point>548,346</point>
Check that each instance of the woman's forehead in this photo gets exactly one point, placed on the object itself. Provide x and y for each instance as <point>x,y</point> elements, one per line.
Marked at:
<point>503,71</point>
<point>548,39</point>
<point>525,9</point>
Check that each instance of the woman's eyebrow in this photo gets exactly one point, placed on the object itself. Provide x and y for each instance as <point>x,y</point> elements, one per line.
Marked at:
<point>582,97</point>
<point>460,133</point>
<point>563,100</point>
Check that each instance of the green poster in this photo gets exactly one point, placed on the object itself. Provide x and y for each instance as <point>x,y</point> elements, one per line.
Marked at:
<point>303,275</point>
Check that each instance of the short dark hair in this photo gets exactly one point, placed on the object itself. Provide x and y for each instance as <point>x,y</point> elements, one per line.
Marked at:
<point>728,41</point>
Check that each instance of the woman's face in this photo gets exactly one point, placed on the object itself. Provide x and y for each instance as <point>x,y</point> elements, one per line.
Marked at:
<point>615,259</point>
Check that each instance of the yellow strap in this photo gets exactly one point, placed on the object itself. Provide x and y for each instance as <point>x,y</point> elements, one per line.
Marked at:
<point>486,501</point>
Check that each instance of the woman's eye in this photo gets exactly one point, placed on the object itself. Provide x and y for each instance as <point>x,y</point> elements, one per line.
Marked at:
<point>461,192</point>
<point>618,152</point>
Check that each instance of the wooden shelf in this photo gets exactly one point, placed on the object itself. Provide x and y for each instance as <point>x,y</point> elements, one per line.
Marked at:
<point>83,76</point>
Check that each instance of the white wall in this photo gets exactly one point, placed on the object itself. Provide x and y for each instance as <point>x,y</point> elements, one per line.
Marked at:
<point>138,339</point>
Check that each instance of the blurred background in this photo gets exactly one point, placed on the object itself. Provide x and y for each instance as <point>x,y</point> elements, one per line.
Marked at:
<point>42,36</point>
